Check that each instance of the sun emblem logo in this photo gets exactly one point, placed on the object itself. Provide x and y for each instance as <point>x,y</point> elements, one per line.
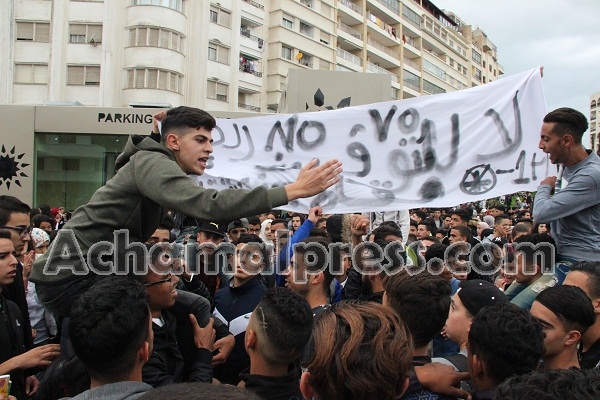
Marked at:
<point>11,167</point>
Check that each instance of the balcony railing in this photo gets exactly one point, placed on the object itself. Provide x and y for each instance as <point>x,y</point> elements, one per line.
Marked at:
<point>255,4</point>
<point>246,33</point>
<point>349,57</point>
<point>306,63</point>
<point>378,70</point>
<point>411,63</point>
<point>351,31</point>
<point>411,41</point>
<point>382,47</point>
<point>478,47</point>
<point>351,6</point>
<point>249,107</point>
<point>391,5</point>
<point>411,85</point>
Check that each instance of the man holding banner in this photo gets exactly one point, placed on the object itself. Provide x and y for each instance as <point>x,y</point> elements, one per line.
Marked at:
<point>573,212</point>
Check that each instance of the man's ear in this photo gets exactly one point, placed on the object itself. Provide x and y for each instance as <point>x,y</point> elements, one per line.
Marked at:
<point>596,304</point>
<point>250,339</point>
<point>144,352</point>
<point>305,388</point>
<point>572,337</point>
<point>404,386</point>
<point>476,366</point>
<point>317,278</point>
<point>172,141</point>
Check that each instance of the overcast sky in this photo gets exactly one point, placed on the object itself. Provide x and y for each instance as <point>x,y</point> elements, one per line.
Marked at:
<point>561,35</point>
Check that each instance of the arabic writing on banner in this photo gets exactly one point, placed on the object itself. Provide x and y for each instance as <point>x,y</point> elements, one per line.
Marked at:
<point>433,151</point>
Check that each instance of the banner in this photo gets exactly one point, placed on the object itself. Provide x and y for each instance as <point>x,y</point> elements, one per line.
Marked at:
<point>430,151</point>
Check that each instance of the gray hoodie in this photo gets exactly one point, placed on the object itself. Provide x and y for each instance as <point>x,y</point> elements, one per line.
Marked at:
<point>114,391</point>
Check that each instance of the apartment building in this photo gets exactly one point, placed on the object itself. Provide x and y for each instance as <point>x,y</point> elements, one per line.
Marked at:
<point>594,125</point>
<point>227,55</point>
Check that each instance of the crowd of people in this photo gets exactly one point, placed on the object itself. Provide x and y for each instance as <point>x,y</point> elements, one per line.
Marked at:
<point>220,294</point>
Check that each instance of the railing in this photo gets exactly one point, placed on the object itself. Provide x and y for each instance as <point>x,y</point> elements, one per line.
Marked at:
<point>305,63</point>
<point>411,41</point>
<point>246,33</point>
<point>349,57</point>
<point>382,47</point>
<point>411,85</point>
<point>408,19</point>
<point>391,5</point>
<point>255,73</point>
<point>377,69</point>
<point>306,31</point>
<point>351,31</point>
<point>255,4</point>
<point>478,47</point>
<point>351,6</point>
<point>411,63</point>
<point>249,107</point>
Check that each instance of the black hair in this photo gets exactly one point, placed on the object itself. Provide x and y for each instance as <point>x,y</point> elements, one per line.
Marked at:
<point>498,219</point>
<point>507,339</point>
<point>10,205</point>
<point>464,231</point>
<point>592,270</point>
<point>551,384</point>
<point>429,224</point>
<point>412,297</point>
<point>391,224</point>
<point>464,215</point>
<point>383,231</point>
<point>321,252</point>
<point>166,222</point>
<point>319,232</point>
<point>287,321</point>
<point>571,306</point>
<point>568,121</point>
<point>38,219</point>
<point>181,118</point>
<point>107,326</point>
<point>5,234</point>
<point>253,220</point>
<point>421,214</point>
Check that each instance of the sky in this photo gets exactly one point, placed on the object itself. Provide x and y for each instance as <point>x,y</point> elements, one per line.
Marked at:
<point>561,35</point>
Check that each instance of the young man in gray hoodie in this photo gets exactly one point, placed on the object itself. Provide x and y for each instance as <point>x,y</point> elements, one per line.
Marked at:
<point>152,178</point>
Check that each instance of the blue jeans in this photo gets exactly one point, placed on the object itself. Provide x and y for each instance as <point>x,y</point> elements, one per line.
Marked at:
<point>59,298</point>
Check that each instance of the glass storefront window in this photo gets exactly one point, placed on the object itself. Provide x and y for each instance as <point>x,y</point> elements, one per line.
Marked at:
<point>69,168</point>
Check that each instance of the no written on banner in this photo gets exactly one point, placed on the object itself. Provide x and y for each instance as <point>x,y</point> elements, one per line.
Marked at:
<point>430,151</point>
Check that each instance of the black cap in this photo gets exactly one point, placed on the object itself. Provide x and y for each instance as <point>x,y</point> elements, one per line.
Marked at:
<point>212,227</point>
<point>238,223</point>
<point>476,294</point>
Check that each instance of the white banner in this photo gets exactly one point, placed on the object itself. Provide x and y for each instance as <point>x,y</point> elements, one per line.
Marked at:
<point>430,151</point>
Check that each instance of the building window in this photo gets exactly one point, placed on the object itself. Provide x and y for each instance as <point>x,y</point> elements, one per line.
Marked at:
<point>431,88</point>
<point>411,15</point>
<point>154,78</point>
<point>220,16</point>
<point>288,23</point>
<point>477,74</point>
<point>31,74</point>
<point>172,4</point>
<point>434,69</point>
<point>33,31</point>
<point>216,90</point>
<point>450,43</point>
<point>83,33</point>
<point>83,75</point>
<point>218,53</point>
<point>155,37</point>
<point>477,57</point>
<point>286,52</point>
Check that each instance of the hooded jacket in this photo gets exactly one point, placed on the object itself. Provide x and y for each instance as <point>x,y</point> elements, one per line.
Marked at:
<point>147,183</point>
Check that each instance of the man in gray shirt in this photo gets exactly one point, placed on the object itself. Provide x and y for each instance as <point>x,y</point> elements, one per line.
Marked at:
<point>573,212</point>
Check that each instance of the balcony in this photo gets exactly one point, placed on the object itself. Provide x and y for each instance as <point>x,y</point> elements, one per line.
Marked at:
<point>378,70</point>
<point>341,53</point>
<point>255,4</point>
<point>391,5</point>
<point>411,85</point>
<point>246,33</point>
<point>349,30</point>
<point>385,49</point>
<point>249,107</point>
<point>351,6</point>
<point>411,63</point>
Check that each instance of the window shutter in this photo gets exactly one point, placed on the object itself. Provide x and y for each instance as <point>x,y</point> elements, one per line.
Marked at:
<point>152,78</point>
<point>211,91</point>
<point>142,35</point>
<point>163,80</point>
<point>77,29</point>
<point>22,73</point>
<point>223,55</point>
<point>140,77</point>
<point>42,32</point>
<point>164,39</point>
<point>75,75</point>
<point>173,81</point>
<point>225,18</point>
<point>176,42</point>
<point>94,31</point>
<point>132,35</point>
<point>92,75</point>
<point>24,30</point>
<point>130,73</point>
<point>40,74</point>
<point>153,37</point>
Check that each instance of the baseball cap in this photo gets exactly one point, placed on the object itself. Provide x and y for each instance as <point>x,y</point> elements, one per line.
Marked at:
<point>238,223</point>
<point>476,294</point>
<point>212,227</point>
